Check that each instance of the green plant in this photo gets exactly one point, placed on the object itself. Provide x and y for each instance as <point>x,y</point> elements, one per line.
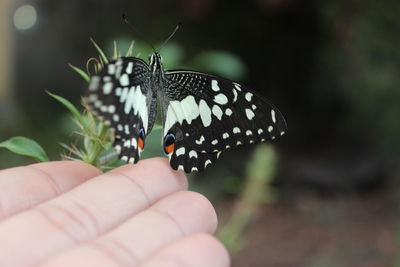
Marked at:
<point>256,190</point>
<point>94,142</point>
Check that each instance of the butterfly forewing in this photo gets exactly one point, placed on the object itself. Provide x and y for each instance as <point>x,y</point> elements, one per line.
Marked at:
<point>120,94</point>
<point>208,114</point>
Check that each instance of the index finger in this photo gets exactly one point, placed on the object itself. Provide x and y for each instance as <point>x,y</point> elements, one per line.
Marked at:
<point>28,186</point>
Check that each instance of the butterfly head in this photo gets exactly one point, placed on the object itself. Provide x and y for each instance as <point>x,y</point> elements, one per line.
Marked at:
<point>155,63</point>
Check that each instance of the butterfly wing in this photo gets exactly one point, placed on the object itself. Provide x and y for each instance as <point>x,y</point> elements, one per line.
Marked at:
<point>120,95</point>
<point>207,115</point>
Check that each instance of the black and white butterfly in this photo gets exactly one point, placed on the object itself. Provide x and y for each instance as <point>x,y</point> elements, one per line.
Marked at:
<point>203,114</point>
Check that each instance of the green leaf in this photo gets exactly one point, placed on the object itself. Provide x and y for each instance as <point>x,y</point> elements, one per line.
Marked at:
<point>69,106</point>
<point>130,49</point>
<point>102,55</point>
<point>115,56</point>
<point>25,146</point>
<point>80,72</point>
<point>222,63</point>
<point>173,55</point>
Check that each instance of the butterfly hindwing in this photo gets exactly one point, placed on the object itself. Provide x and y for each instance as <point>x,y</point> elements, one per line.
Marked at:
<point>183,156</point>
<point>120,95</point>
<point>208,114</point>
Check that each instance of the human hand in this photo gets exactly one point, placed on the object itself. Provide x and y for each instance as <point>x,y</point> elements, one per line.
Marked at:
<point>70,214</point>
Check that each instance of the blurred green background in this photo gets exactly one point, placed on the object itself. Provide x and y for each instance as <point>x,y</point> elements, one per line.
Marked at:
<point>327,193</point>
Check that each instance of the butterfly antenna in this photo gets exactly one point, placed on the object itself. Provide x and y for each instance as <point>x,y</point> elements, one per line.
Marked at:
<point>125,19</point>
<point>170,36</point>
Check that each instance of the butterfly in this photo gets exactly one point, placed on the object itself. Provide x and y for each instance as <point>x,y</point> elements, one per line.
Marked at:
<point>203,114</point>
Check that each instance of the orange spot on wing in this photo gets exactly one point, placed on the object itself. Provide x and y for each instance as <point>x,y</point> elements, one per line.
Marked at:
<point>169,149</point>
<point>140,143</point>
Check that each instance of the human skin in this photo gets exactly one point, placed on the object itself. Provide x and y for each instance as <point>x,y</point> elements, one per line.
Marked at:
<point>71,214</point>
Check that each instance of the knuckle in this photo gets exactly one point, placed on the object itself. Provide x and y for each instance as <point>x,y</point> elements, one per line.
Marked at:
<point>73,221</point>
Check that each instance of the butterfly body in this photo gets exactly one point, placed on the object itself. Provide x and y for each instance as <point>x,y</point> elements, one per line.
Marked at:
<point>202,114</point>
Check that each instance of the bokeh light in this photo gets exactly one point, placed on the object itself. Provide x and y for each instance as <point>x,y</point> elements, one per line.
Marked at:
<point>25,17</point>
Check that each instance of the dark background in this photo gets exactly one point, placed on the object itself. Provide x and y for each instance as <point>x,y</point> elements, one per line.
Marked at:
<point>332,68</point>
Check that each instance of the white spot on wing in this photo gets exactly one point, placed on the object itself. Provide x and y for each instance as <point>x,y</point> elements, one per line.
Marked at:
<point>177,109</point>
<point>248,96</point>
<point>111,109</point>
<point>205,113</point>
<point>216,110</point>
<point>186,109</point>
<point>124,95</point>
<point>140,106</point>
<point>136,100</point>
<point>92,97</point>
<point>235,95</point>
<point>273,116</point>
<point>250,114</point>
<point>115,117</point>
<point>270,128</point>
<point>190,108</point>
<point>98,103</point>
<point>111,69</point>
<point>118,91</point>
<point>260,131</point>
<point>228,112</point>
<point>214,142</point>
<point>124,158</point>
<point>221,99</point>
<point>124,80</point>
<point>129,100</point>
<point>248,132</point>
<point>127,143</point>
<point>129,68</point>
<point>193,154</point>
<point>180,151</point>
<point>208,162</point>
<point>237,86</point>
<point>200,141</point>
<point>107,87</point>
<point>214,85</point>
<point>225,135</point>
<point>236,130</point>
<point>94,83</point>
<point>134,143</point>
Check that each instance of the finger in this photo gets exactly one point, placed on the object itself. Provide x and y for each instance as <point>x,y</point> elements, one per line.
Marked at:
<point>25,187</point>
<point>172,218</point>
<point>87,211</point>
<point>193,251</point>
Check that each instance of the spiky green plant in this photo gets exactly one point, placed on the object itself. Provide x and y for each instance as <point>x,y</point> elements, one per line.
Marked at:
<point>94,142</point>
